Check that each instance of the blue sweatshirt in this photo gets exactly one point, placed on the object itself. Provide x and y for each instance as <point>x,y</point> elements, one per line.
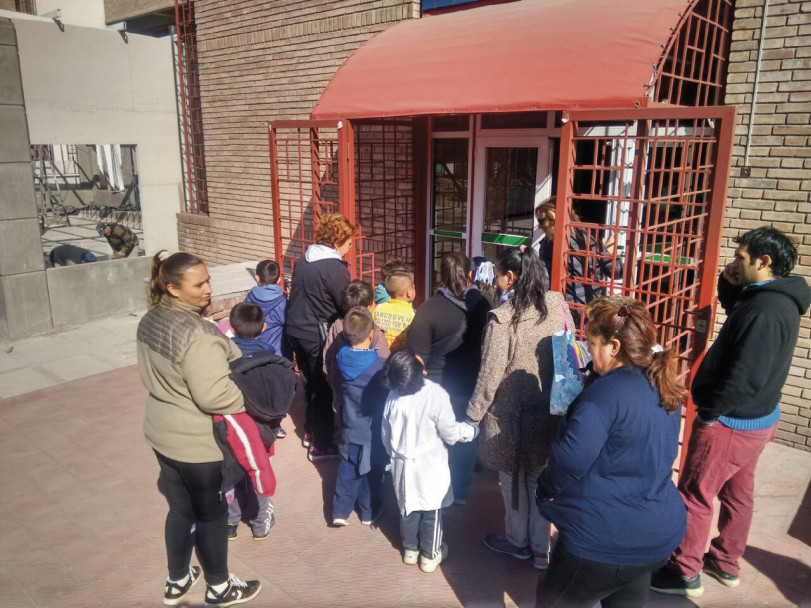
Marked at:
<point>364,401</point>
<point>271,300</point>
<point>608,485</point>
<point>251,345</point>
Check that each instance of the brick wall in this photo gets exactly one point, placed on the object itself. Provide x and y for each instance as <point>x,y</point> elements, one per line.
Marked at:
<point>777,191</point>
<point>261,61</point>
<point>119,10</point>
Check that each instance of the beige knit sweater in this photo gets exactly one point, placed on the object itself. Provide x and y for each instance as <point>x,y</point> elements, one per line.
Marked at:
<point>183,361</point>
<point>511,397</point>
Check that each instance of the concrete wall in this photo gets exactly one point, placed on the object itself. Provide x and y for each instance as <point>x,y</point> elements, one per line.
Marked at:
<point>778,191</point>
<point>261,61</point>
<point>24,304</point>
<point>89,13</point>
<point>87,85</point>
<point>92,291</point>
<point>119,10</point>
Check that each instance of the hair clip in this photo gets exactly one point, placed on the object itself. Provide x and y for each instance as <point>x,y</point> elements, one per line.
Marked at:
<point>522,248</point>
<point>485,273</point>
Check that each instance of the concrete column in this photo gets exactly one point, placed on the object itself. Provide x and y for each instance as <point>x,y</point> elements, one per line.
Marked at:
<point>24,303</point>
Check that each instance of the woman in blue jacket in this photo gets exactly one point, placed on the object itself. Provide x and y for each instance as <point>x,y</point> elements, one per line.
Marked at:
<point>608,486</point>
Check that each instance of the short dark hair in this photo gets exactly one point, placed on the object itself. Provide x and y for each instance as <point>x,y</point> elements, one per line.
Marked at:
<point>772,242</point>
<point>357,293</point>
<point>391,267</point>
<point>403,373</point>
<point>268,272</point>
<point>358,324</point>
<point>246,320</point>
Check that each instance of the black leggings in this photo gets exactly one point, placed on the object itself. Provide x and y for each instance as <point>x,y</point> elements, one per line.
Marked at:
<point>319,418</point>
<point>193,493</point>
<point>574,582</point>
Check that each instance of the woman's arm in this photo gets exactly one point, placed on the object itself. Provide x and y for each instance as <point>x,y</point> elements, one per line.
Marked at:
<point>573,453</point>
<point>205,369</point>
<point>495,353</point>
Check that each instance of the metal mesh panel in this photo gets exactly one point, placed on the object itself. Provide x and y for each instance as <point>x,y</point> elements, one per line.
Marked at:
<point>384,192</point>
<point>644,187</point>
<point>692,71</point>
<point>191,128</point>
<point>304,171</point>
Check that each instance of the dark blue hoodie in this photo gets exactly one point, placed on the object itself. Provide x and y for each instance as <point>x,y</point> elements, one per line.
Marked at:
<point>271,300</point>
<point>364,401</point>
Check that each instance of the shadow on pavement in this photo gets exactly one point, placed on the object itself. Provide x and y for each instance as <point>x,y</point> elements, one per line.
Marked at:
<point>791,576</point>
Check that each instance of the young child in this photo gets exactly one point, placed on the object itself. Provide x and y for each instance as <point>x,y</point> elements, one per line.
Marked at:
<point>247,322</point>
<point>360,469</point>
<point>357,293</point>
<point>394,316</point>
<point>418,425</point>
<point>395,265</point>
<point>268,295</point>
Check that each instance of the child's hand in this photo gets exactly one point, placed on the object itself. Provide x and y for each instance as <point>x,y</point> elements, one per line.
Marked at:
<point>470,433</point>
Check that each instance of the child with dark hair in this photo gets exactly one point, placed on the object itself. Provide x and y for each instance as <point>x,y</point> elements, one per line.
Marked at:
<point>418,426</point>
<point>268,295</point>
<point>357,293</point>
<point>382,293</point>
<point>360,470</point>
<point>247,323</point>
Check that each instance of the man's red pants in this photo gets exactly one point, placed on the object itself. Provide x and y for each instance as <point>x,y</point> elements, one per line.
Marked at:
<point>720,463</point>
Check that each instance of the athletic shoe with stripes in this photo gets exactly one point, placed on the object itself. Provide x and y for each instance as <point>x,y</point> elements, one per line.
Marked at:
<point>236,592</point>
<point>174,592</point>
<point>429,565</point>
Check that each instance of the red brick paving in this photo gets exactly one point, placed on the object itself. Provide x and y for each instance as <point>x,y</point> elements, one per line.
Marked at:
<point>81,523</point>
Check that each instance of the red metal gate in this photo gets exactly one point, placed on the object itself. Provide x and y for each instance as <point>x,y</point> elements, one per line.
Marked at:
<point>659,176</point>
<point>364,171</point>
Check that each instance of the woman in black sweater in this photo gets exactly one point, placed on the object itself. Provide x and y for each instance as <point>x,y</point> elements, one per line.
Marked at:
<point>446,334</point>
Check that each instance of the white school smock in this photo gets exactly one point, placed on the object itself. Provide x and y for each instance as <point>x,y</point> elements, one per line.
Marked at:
<point>417,430</point>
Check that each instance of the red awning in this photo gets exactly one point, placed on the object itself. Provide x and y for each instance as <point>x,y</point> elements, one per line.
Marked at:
<point>526,55</point>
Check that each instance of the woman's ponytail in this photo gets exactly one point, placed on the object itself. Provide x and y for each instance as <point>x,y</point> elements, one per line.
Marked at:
<point>663,374</point>
<point>168,270</point>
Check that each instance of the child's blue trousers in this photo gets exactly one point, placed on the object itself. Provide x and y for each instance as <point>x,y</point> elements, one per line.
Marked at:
<point>351,488</point>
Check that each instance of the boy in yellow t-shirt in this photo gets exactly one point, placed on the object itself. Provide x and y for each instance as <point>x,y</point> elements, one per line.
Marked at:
<point>394,316</point>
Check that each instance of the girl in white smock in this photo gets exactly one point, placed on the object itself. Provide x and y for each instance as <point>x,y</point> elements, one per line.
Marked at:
<point>418,426</point>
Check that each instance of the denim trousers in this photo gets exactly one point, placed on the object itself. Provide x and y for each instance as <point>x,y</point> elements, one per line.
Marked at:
<point>720,463</point>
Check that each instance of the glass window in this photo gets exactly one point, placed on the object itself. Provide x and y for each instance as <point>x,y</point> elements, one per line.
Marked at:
<point>510,190</point>
<point>450,184</point>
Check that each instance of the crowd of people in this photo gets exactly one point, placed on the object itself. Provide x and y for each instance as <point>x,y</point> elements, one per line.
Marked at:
<point>413,397</point>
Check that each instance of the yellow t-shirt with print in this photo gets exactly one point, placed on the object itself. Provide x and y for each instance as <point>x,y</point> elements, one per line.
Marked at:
<point>394,317</point>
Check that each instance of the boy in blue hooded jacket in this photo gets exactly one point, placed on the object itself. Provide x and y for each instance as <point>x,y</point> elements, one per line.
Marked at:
<point>363,457</point>
<point>268,295</point>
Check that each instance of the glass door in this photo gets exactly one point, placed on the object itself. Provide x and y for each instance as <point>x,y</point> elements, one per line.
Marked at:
<point>513,176</point>
<point>449,219</point>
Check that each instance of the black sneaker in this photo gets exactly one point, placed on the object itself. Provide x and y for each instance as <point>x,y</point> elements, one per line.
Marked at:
<point>232,531</point>
<point>712,568</point>
<point>174,593</point>
<point>670,583</point>
<point>261,532</point>
<point>279,433</point>
<point>314,454</point>
<point>237,592</point>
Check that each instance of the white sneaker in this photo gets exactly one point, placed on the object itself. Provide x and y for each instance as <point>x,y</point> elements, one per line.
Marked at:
<point>410,556</point>
<point>429,565</point>
<point>339,522</point>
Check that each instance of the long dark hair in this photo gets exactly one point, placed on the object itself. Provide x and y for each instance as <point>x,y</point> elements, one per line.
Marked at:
<point>403,373</point>
<point>631,324</point>
<point>453,271</point>
<point>168,271</point>
<point>530,283</point>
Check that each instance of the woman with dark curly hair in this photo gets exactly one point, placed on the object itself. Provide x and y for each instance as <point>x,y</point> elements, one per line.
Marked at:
<point>319,278</point>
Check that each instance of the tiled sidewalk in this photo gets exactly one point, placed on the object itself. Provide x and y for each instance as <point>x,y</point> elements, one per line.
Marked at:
<point>81,523</point>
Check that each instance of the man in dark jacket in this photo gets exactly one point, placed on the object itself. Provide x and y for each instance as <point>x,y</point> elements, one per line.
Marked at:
<point>737,391</point>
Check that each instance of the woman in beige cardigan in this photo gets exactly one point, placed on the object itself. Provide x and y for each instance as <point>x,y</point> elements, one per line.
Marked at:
<point>512,399</point>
